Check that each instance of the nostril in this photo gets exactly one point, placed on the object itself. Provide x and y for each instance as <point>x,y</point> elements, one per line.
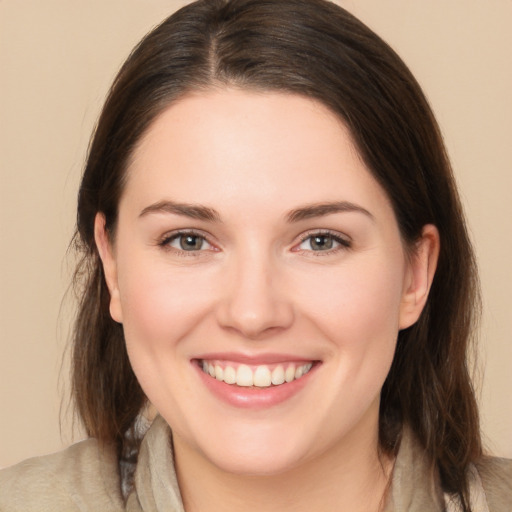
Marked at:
<point>255,320</point>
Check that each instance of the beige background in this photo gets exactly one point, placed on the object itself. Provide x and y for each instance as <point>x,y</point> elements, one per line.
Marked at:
<point>57,59</point>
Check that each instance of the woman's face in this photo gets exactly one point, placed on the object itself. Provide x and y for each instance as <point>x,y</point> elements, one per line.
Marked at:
<point>254,246</point>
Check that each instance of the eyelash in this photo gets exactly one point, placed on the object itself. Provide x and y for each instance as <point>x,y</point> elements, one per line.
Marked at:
<point>344,243</point>
<point>167,239</point>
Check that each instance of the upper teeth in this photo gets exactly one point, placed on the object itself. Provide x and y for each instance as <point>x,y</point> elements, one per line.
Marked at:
<point>260,376</point>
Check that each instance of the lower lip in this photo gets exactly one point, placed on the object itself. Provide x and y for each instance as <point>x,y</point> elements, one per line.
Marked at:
<point>253,397</point>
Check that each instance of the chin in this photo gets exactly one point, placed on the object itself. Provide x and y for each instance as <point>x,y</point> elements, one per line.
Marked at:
<point>256,451</point>
<point>260,464</point>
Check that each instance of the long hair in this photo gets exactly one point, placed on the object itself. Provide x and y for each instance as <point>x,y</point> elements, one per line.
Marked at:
<point>318,50</point>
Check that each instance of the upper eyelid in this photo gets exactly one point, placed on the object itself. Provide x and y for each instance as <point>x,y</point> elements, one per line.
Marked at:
<point>324,232</point>
<point>185,231</point>
<point>172,235</point>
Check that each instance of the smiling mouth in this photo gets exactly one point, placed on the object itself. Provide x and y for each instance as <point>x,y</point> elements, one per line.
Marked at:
<point>258,376</point>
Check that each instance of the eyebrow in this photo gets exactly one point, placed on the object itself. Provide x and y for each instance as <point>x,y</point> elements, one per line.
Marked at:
<point>187,210</point>
<point>322,209</point>
<point>205,213</point>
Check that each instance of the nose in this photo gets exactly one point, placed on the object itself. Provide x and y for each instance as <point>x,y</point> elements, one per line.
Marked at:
<point>255,300</point>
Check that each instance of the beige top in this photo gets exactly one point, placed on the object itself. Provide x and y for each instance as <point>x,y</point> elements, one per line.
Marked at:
<point>86,478</point>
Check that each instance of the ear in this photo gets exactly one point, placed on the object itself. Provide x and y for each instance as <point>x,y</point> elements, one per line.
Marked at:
<point>107,256</point>
<point>419,277</point>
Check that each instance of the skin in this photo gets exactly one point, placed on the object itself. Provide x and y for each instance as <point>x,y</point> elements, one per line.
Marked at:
<point>257,285</point>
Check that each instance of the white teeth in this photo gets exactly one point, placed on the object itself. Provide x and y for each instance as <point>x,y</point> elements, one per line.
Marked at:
<point>261,377</point>
<point>244,376</point>
<point>278,375</point>
<point>229,375</point>
<point>289,374</point>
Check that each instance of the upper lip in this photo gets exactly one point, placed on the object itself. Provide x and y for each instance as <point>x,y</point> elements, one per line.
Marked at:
<point>254,359</point>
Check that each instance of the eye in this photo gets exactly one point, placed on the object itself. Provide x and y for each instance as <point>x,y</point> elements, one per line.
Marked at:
<point>323,242</point>
<point>186,241</point>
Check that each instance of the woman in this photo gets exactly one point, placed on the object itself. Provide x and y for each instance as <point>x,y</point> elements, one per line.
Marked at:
<point>274,257</point>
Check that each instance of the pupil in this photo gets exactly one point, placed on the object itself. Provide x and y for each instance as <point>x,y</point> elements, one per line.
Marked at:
<point>190,242</point>
<point>322,242</point>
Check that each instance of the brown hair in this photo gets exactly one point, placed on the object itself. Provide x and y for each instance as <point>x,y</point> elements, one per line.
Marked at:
<point>316,49</point>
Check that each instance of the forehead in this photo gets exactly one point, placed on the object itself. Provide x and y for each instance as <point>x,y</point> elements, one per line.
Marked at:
<point>228,146</point>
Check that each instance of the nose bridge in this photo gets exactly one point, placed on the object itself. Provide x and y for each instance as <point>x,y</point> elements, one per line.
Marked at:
<point>255,300</point>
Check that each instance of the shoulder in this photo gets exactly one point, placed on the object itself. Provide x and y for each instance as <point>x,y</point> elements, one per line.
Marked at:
<point>496,476</point>
<point>81,478</point>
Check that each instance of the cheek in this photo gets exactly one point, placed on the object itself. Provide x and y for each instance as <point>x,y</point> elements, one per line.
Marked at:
<point>357,310</point>
<point>357,300</point>
<point>160,305</point>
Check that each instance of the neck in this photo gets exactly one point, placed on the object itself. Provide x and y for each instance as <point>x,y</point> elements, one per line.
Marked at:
<point>349,477</point>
